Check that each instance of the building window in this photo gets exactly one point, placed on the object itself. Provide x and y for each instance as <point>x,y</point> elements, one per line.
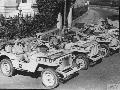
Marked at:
<point>24,1</point>
<point>18,1</point>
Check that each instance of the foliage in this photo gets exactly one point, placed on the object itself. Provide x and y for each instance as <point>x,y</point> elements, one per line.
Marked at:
<point>28,26</point>
<point>46,19</point>
<point>48,10</point>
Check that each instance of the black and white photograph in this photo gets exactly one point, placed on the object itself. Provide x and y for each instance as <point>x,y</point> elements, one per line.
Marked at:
<point>59,44</point>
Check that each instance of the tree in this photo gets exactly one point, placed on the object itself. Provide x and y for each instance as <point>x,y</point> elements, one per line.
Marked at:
<point>50,9</point>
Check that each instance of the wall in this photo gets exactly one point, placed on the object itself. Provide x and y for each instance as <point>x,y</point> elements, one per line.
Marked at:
<point>1,6</point>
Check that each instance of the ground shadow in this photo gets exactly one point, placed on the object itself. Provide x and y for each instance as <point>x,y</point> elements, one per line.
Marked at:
<point>25,73</point>
<point>70,77</point>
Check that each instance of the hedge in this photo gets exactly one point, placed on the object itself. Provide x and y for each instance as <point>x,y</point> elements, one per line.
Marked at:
<point>45,20</point>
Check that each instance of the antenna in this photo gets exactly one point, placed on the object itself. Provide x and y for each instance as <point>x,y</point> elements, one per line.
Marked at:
<point>65,13</point>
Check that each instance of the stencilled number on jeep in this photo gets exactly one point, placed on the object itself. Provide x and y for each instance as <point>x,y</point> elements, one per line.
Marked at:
<point>41,59</point>
<point>20,65</point>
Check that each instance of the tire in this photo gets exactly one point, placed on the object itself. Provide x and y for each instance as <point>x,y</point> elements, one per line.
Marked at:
<point>49,78</point>
<point>92,64</point>
<point>107,50</point>
<point>84,61</point>
<point>116,51</point>
<point>7,68</point>
<point>119,50</point>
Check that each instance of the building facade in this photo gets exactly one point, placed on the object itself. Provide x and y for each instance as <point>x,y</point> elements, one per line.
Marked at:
<point>12,7</point>
<point>7,6</point>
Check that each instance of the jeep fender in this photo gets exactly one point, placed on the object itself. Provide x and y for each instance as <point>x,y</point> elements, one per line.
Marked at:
<point>12,57</point>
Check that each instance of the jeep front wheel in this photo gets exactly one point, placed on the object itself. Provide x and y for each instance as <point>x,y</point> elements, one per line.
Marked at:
<point>50,78</point>
<point>6,67</point>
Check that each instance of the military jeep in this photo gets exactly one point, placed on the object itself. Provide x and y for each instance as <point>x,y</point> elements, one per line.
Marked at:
<point>34,54</point>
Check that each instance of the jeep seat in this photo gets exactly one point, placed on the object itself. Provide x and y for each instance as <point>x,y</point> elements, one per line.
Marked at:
<point>18,49</point>
<point>8,48</point>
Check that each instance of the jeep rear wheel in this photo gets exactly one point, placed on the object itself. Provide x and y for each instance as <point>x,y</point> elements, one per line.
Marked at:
<point>6,67</point>
<point>81,61</point>
<point>105,50</point>
<point>50,78</point>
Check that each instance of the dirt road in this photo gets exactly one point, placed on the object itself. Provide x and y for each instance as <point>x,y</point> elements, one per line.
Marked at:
<point>94,14</point>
